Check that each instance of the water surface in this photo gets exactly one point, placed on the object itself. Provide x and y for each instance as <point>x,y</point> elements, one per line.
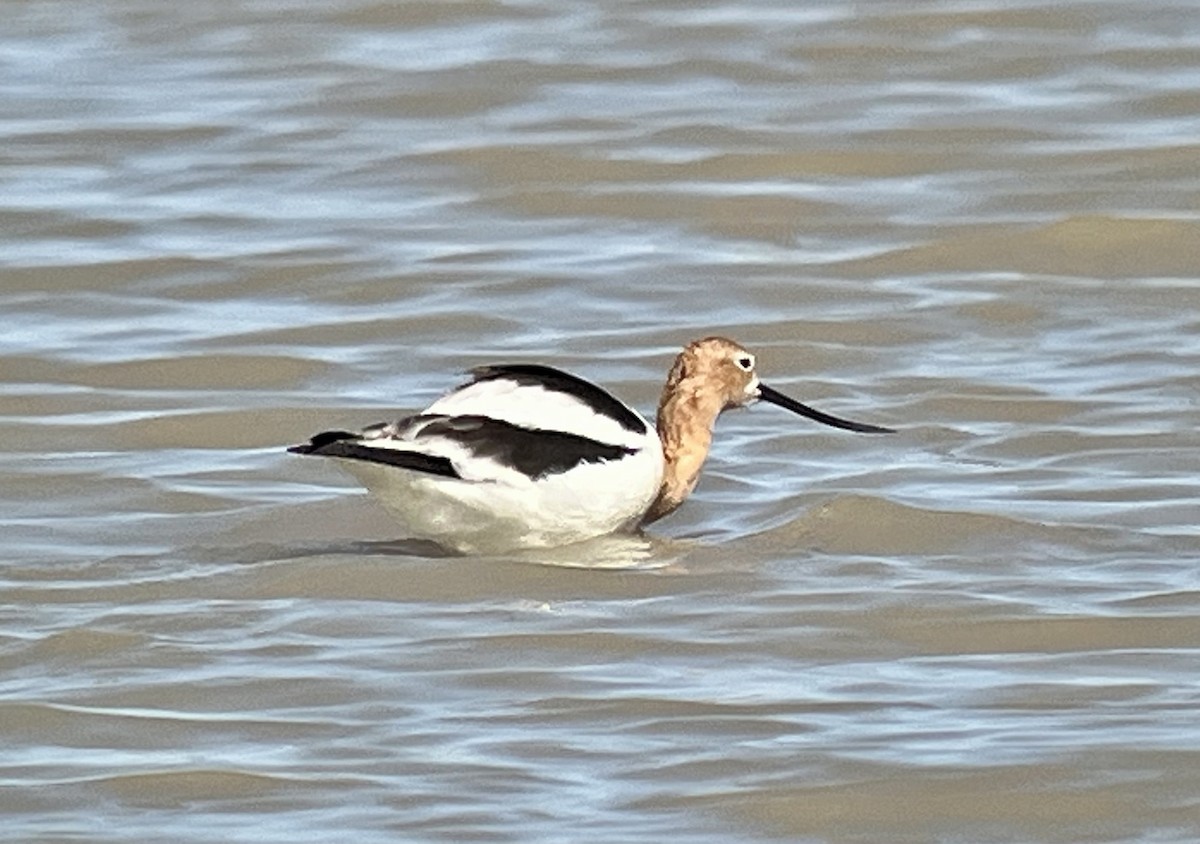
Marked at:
<point>225,227</point>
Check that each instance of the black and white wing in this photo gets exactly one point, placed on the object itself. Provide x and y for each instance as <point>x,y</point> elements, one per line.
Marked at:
<point>534,421</point>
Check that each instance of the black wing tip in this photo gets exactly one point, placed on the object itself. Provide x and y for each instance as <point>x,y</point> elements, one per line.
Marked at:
<point>321,441</point>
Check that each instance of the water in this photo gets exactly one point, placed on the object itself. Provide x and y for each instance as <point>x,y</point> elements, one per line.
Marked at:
<point>227,226</point>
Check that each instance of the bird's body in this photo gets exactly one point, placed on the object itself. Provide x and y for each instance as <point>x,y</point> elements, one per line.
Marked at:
<point>528,456</point>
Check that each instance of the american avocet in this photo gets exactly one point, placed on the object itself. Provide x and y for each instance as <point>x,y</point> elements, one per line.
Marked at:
<point>528,456</point>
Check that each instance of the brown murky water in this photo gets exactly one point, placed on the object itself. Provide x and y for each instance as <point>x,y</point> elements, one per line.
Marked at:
<point>225,226</point>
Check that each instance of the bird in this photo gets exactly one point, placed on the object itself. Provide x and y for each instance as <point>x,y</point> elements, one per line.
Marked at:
<point>526,455</point>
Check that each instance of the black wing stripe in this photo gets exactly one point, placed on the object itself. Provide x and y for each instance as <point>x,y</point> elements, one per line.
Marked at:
<point>532,452</point>
<point>596,398</point>
<point>342,444</point>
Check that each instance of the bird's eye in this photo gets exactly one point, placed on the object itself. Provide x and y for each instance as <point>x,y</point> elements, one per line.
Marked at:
<point>746,362</point>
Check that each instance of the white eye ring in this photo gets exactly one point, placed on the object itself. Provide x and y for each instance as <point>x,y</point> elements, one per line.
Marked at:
<point>745,362</point>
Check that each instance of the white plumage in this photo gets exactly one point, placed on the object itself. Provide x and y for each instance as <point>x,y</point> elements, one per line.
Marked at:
<point>527,465</point>
<point>536,407</point>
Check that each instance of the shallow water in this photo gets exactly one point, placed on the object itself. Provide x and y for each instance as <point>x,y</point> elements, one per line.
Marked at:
<point>227,226</point>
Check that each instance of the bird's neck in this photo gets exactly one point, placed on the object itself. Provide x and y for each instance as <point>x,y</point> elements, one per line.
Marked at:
<point>685,422</point>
